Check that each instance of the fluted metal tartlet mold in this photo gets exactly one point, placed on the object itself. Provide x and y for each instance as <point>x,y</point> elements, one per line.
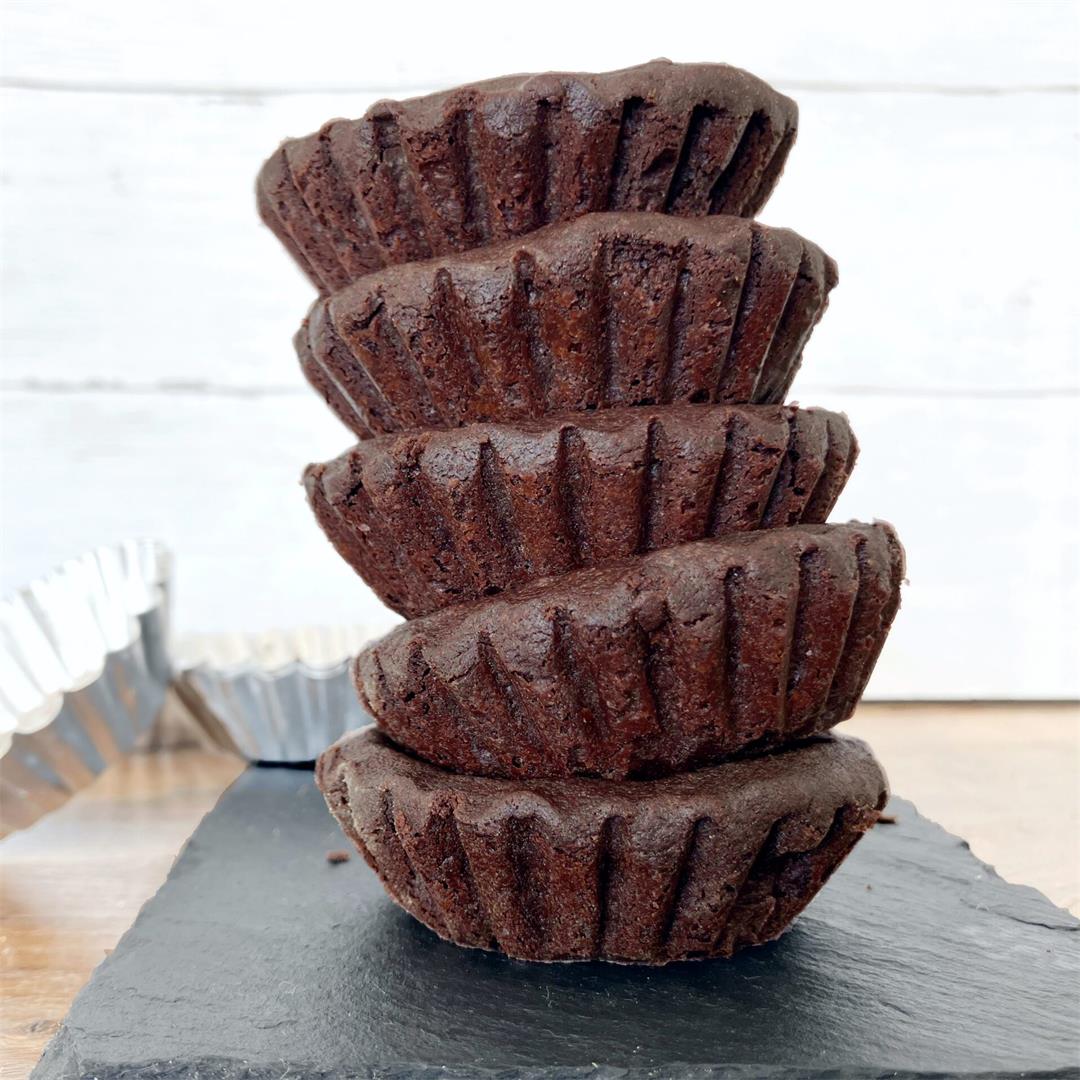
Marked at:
<point>435,518</point>
<point>606,311</point>
<point>689,866</point>
<point>646,666</point>
<point>83,673</point>
<point>477,164</point>
<point>277,698</point>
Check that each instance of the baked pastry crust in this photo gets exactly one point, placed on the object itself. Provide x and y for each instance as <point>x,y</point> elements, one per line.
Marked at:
<point>695,865</point>
<point>608,310</point>
<point>482,162</point>
<point>647,666</point>
<point>435,518</point>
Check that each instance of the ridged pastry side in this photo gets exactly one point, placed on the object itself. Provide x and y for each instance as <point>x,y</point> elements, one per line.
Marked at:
<point>696,865</point>
<point>471,166</point>
<point>606,311</point>
<point>435,518</point>
<point>647,666</point>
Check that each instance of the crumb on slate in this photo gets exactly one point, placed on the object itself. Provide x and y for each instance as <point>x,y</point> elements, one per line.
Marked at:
<point>886,819</point>
<point>336,857</point>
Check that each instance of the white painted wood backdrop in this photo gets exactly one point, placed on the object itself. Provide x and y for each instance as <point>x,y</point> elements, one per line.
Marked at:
<point>149,385</point>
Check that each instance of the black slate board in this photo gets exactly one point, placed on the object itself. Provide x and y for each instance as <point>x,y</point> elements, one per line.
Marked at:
<point>259,959</point>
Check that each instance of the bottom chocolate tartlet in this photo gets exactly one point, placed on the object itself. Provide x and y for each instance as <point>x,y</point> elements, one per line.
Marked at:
<point>695,865</point>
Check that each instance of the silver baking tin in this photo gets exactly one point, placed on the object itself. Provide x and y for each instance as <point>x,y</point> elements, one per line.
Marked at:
<point>84,668</point>
<point>277,698</point>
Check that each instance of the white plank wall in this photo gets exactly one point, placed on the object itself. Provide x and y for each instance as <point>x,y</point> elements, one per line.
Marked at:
<point>149,384</point>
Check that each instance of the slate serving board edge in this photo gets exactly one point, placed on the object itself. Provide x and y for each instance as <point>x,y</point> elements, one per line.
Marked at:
<point>65,1059</point>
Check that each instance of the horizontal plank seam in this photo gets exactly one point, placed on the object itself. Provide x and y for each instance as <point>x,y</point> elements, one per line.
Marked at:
<point>21,82</point>
<point>198,387</point>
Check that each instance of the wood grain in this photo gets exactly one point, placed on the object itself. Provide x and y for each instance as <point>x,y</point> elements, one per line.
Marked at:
<point>1006,778</point>
<point>73,882</point>
<point>159,274</point>
<point>983,493</point>
<point>203,44</point>
<point>147,315</point>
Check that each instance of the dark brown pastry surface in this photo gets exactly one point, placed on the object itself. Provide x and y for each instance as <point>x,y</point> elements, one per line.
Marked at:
<point>695,865</point>
<point>648,665</point>
<point>608,310</point>
<point>435,518</point>
<point>477,164</point>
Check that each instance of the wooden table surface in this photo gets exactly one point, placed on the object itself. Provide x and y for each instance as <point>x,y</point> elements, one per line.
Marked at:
<point>1005,777</point>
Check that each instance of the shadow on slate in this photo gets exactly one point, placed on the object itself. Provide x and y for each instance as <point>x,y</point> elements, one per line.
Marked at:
<point>258,958</point>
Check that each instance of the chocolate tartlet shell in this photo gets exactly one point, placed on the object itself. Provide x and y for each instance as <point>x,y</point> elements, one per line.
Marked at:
<point>477,164</point>
<point>691,866</point>
<point>609,310</point>
<point>435,518</point>
<point>644,667</point>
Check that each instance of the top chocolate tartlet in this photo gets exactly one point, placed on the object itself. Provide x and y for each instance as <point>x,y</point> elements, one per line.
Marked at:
<point>491,160</point>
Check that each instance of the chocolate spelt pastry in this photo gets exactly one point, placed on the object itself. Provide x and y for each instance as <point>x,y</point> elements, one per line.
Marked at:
<point>608,310</point>
<point>646,666</point>
<point>435,518</point>
<point>483,162</point>
<point>695,865</point>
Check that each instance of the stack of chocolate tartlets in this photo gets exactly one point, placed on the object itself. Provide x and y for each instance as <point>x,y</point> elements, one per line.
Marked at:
<point>563,346</point>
